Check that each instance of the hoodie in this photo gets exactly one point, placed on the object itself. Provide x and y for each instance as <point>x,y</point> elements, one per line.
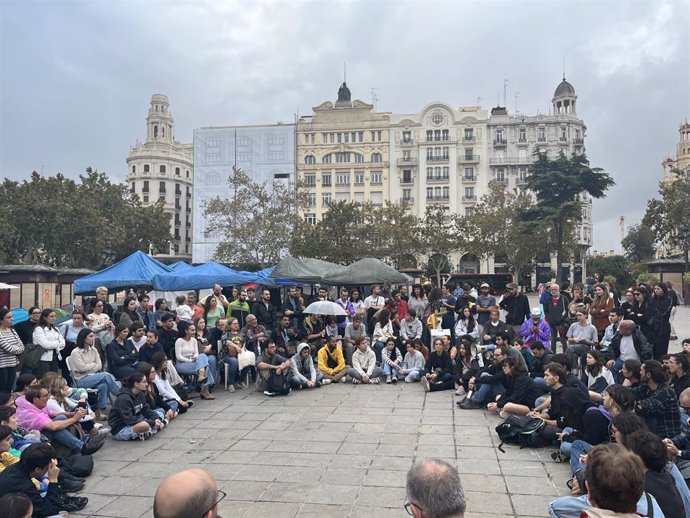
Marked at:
<point>303,368</point>
<point>129,410</point>
<point>364,362</point>
<point>414,360</point>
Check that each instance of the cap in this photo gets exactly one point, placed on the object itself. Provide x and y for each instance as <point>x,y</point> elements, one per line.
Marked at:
<point>484,285</point>
<point>536,312</point>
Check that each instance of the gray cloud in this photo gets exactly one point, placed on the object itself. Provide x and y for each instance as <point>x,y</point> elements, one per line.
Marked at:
<point>77,75</point>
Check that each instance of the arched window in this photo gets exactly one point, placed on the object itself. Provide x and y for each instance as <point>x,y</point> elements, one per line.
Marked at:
<point>177,171</point>
<point>359,158</point>
<point>155,132</point>
<point>162,169</point>
<point>327,159</point>
<point>376,157</point>
<point>162,132</point>
<point>309,160</point>
<point>146,168</point>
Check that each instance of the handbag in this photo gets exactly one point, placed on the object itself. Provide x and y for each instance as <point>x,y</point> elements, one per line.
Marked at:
<point>32,355</point>
<point>246,358</point>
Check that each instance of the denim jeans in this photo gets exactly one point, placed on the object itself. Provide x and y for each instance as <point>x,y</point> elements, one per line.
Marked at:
<point>234,370</point>
<point>390,371</point>
<point>64,436</point>
<point>414,375</point>
<point>202,362</point>
<point>128,434</point>
<point>104,382</point>
<point>578,447</point>
<point>486,391</point>
<point>566,446</point>
<point>378,347</point>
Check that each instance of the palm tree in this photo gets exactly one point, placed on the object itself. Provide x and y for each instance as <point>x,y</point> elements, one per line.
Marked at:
<point>558,185</point>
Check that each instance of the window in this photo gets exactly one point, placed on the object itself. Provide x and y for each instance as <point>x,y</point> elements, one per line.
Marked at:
<point>342,196</point>
<point>376,178</point>
<point>444,135</point>
<point>522,135</point>
<point>446,193</point>
<point>310,160</point>
<point>325,198</point>
<point>469,153</point>
<point>541,134</point>
<point>429,193</point>
<point>134,169</point>
<point>161,187</point>
<point>361,136</point>
<point>469,192</point>
<point>407,194</point>
<point>406,137</point>
<point>446,153</point>
<point>429,153</point>
<point>162,169</point>
<point>469,135</point>
<point>332,138</point>
<point>145,188</point>
<point>378,134</point>
<point>564,133</point>
<point>376,157</point>
<point>469,212</point>
<point>177,171</point>
<point>429,135</point>
<point>359,178</point>
<point>359,158</point>
<point>429,173</point>
<point>407,176</point>
<point>146,198</point>
<point>155,131</point>
<point>469,172</point>
<point>376,198</point>
<point>359,197</point>
<point>346,138</point>
<point>342,179</point>
<point>327,159</point>
<point>577,134</point>
<point>310,218</point>
<point>324,138</point>
<point>133,188</point>
<point>146,168</point>
<point>353,136</point>
<point>186,174</point>
<point>310,180</point>
<point>326,179</point>
<point>446,172</point>
<point>437,135</point>
<point>499,135</point>
<point>342,157</point>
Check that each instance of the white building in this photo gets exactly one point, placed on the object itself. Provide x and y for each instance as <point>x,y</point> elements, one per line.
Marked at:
<point>161,168</point>
<point>265,153</point>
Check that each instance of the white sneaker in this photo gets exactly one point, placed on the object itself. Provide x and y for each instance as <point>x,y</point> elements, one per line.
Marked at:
<point>376,381</point>
<point>355,381</point>
<point>326,382</point>
<point>461,391</point>
<point>425,384</point>
<point>503,414</point>
<point>269,394</point>
<point>343,379</point>
<point>231,388</point>
<point>388,379</point>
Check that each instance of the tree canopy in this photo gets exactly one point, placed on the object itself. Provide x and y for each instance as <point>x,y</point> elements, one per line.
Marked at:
<point>669,216</point>
<point>57,221</point>
<point>638,243</point>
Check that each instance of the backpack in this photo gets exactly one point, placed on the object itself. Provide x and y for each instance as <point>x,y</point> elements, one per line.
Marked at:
<point>521,430</point>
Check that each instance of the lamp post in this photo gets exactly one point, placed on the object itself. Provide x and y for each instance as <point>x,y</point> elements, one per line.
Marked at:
<point>685,234</point>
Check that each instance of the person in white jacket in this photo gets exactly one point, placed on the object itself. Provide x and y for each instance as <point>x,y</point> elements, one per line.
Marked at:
<point>413,364</point>
<point>364,369</point>
<point>48,337</point>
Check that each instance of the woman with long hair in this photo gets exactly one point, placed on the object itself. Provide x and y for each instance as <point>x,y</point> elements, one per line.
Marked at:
<point>99,322</point>
<point>661,306</point>
<point>11,347</point>
<point>417,301</point>
<point>627,304</point>
<point>128,312</point>
<point>467,366</point>
<point>165,410</point>
<point>189,361</point>
<point>383,330</point>
<point>521,390</point>
<point>131,417</point>
<point>160,308</point>
<point>467,325</point>
<point>600,308</point>
<point>48,337</point>
<point>595,376</point>
<point>60,403</point>
<point>122,355</point>
<point>212,312</point>
<point>439,373</point>
<point>358,303</point>
<point>643,313</point>
<point>165,389</point>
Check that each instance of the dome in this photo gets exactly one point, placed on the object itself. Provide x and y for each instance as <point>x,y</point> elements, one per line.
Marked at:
<point>564,89</point>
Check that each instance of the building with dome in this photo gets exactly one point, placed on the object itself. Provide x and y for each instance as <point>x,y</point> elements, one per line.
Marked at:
<point>160,168</point>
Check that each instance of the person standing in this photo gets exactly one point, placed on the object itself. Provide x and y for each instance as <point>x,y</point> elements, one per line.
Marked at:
<point>556,314</point>
<point>25,329</point>
<point>600,309</point>
<point>11,347</point>
<point>661,306</point>
<point>485,301</point>
<point>48,337</point>
<point>676,302</point>
<point>516,306</point>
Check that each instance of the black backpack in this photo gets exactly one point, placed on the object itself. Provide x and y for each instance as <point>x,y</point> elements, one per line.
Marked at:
<point>521,430</point>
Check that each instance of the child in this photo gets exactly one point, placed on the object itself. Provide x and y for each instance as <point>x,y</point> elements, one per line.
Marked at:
<point>413,364</point>
<point>392,360</point>
<point>184,312</point>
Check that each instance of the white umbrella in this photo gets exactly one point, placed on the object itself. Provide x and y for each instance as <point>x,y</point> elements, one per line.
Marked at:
<point>325,307</point>
<point>4,286</point>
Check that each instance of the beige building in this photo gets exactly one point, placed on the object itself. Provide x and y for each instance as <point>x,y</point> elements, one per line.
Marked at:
<point>343,154</point>
<point>682,159</point>
<point>161,168</point>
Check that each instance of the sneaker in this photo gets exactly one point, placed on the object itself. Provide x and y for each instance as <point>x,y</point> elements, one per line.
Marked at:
<point>72,504</point>
<point>503,414</point>
<point>231,388</point>
<point>355,381</point>
<point>343,379</point>
<point>461,391</point>
<point>557,456</point>
<point>376,381</point>
<point>468,404</point>
<point>425,384</point>
<point>388,380</point>
<point>326,382</point>
<point>269,393</point>
<point>394,379</point>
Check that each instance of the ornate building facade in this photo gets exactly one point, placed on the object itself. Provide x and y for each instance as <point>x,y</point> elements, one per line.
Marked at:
<point>160,168</point>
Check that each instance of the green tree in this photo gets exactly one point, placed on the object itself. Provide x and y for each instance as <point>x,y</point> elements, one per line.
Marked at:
<point>616,266</point>
<point>669,217</point>
<point>443,232</point>
<point>255,221</point>
<point>559,185</point>
<point>400,231</point>
<point>638,243</point>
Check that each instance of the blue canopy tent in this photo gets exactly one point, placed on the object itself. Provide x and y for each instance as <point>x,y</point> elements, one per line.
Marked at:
<point>263,277</point>
<point>137,269</point>
<point>200,277</point>
<point>180,266</point>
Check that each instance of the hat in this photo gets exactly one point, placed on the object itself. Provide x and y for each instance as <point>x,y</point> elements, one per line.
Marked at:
<point>484,285</point>
<point>536,312</point>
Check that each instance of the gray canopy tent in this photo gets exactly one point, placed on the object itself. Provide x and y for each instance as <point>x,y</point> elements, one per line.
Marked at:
<point>308,270</point>
<point>366,271</point>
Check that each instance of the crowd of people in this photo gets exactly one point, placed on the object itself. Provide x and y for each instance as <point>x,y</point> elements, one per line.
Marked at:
<point>128,373</point>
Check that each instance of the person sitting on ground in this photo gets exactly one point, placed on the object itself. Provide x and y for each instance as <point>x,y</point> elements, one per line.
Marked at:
<point>59,403</point>
<point>274,371</point>
<point>131,418</point>
<point>542,357</point>
<point>331,363</point>
<point>189,361</point>
<point>392,361</point>
<point>303,374</point>
<point>383,330</point>
<point>656,402</point>
<point>364,369</point>
<point>411,327</point>
<point>7,457</point>
<point>679,368</point>
<point>503,340</point>
<point>33,414</point>
<point>434,490</point>
<point>187,493</point>
<point>493,326</point>
<point>596,377</point>
<point>165,410</point>
<point>122,356</point>
<point>439,373</point>
<point>489,384</point>
<point>37,461</point>
<point>631,373</point>
<point>137,335</point>
<point>24,381</point>
<point>581,336</point>
<point>85,363</point>
<point>413,364</point>
<point>518,345</point>
<point>148,351</point>
<point>520,394</point>
<point>165,388</point>
<point>536,329</point>
<point>466,364</point>
<point>627,344</point>
<point>16,505</point>
<point>182,310</point>
<point>21,437</point>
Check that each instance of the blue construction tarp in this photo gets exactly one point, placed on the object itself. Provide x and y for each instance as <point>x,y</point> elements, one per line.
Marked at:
<point>137,269</point>
<point>200,277</point>
<point>180,266</point>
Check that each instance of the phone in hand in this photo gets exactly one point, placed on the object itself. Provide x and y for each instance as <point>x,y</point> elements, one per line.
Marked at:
<point>82,404</point>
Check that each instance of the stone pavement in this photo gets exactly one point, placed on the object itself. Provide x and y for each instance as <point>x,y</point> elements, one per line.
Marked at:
<point>338,451</point>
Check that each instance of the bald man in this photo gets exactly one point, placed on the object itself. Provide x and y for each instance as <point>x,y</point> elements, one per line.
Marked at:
<point>434,489</point>
<point>627,344</point>
<point>187,493</point>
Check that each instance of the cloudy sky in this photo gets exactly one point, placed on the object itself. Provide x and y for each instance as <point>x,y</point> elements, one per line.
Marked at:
<point>77,75</point>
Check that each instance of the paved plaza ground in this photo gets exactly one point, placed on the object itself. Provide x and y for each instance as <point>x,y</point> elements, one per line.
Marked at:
<point>338,451</point>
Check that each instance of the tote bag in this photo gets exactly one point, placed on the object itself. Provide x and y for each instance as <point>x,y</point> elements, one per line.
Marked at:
<point>246,359</point>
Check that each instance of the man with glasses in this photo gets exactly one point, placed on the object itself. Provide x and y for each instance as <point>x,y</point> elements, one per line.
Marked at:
<point>516,306</point>
<point>434,489</point>
<point>489,384</point>
<point>188,494</point>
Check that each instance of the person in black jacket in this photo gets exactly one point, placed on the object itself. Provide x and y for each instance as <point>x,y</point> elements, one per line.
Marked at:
<point>542,357</point>
<point>439,370</point>
<point>661,305</point>
<point>489,384</point>
<point>264,311</point>
<point>619,349</point>
<point>131,417</point>
<point>679,367</point>
<point>167,335</point>
<point>516,306</point>
<point>121,353</point>
<point>36,461</point>
<point>556,314</point>
<point>521,391</point>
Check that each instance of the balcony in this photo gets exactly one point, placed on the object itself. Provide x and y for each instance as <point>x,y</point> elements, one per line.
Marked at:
<point>438,179</point>
<point>468,159</point>
<point>406,180</point>
<point>435,141</point>
<point>407,142</point>
<point>499,142</point>
<point>468,138</point>
<point>435,158</point>
<point>578,141</point>
<point>524,160</point>
<point>522,142</point>
<point>469,179</point>
<point>409,200</point>
<point>469,199</point>
<point>521,182</point>
<point>438,199</point>
<point>406,161</point>
<point>502,181</point>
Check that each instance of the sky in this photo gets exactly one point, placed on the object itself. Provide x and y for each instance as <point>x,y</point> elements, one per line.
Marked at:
<point>76,76</point>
